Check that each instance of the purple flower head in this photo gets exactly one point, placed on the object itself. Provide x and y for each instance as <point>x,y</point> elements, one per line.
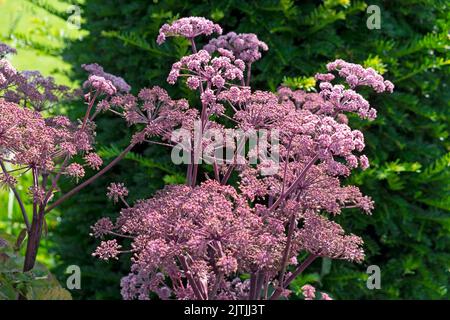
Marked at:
<point>190,28</point>
<point>208,97</point>
<point>324,77</point>
<point>356,75</point>
<point>6,68</point>
<point>338,99</point>
<point>7,180</point>
<point>156,110</point>
<point>107,250</point>
<point>309,292</point>
<point>116,191</point>
<point>326,238</point>
<point>37,194</point>
<point>100,84</point>
<point>103,105</point>
<point>5,49</point>
<point>325,296</point>
<point>30,88</point>
<point>236,95</point>
<point>102,227</point>
<point>93,160</point>
<point>75,170</point>
<point>201,67</point>
<point>244,46</point>
<point>118,82</point>
<point>195,221</point>
<point>364,162</point>
<point>31,140</point>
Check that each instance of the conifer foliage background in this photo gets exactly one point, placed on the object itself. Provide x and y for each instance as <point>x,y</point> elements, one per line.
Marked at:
<point>408,236</point>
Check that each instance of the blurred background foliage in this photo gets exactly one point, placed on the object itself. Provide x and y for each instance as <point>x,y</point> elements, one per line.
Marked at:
<point>408,235</point>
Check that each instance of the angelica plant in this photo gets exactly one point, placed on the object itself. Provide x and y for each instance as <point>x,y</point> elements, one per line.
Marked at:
<point>233,231</point>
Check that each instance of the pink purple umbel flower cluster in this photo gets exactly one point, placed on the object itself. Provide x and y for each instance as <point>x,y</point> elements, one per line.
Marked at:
<point>5,50</point>
<point>195,241</point>
<point>309,293</point>
<point>33,142</point>
<point>111,82</point>
<point>29,88</point>
<point>189,28</point>
<point>34,138</point>
<point>244,46</point>
<point>116,191</point>
<point>201,67</point>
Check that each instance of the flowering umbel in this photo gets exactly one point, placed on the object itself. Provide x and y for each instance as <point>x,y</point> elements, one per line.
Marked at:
<point>195,241</point>
<point>188,27</point>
